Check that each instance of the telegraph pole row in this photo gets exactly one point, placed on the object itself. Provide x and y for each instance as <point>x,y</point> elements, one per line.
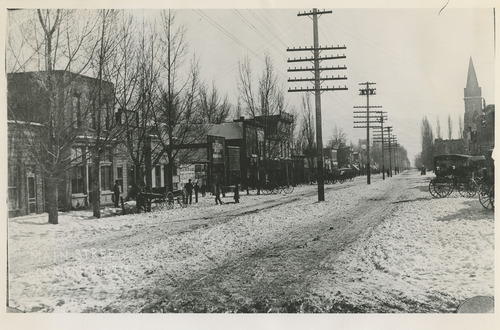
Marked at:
<point>382,117</point>
<point>367,91</point>
<point>317,89</point>
<point>386,145</point>
<point>394,145</point>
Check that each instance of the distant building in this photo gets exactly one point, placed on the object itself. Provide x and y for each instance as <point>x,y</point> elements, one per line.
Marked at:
<point>479,123</point>
<point>446,147</point>
<point>479,118</point>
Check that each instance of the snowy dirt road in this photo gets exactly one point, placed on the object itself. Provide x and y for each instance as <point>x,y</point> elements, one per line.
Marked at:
<point>386,247</point>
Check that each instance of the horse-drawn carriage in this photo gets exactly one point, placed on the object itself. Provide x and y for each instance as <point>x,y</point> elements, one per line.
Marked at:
<point>340,175</point>
<point>161,199</point>
<point>469,175</point>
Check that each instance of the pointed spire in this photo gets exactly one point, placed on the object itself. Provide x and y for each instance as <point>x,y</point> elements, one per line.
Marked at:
<point>471,76</point>
<point>472,88</point>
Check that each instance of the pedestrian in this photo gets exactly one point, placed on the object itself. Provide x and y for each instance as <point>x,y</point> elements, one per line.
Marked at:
<point>217,194</point>
<point>189,191</point>
<point>203,187</point>
<point>237,193</point>
<point>116,192</point>
<point>196,190</point>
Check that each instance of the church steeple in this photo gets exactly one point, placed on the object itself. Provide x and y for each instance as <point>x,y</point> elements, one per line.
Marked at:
<point>473,103</point>
<point>472,88</point>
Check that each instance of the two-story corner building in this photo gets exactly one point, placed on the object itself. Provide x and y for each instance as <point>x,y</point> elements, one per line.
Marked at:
<point>276,151</point>
<point>57,117</point>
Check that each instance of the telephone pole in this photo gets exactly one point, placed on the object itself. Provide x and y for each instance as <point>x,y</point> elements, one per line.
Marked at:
<point>389,128</point>
<point>317,89</point>
<point>367,91</point>
<point>380,138</point>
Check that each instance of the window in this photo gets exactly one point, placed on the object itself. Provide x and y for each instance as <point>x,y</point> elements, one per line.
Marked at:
<point>131,176</point>
<point>158,176</point>
<point>77,111</point>
<point>13,188</point>
<point>77,180</point>
<point>119,176</point>
<point>106,177</point>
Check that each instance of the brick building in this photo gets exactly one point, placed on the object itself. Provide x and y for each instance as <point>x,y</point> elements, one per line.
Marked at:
<point>58,111</point>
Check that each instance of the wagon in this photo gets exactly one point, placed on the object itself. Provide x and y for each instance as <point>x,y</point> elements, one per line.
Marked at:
<point>161,200</point>
<point>453,172</point>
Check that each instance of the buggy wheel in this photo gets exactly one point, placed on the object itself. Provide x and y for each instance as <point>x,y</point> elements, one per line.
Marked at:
<point>440,187</point>
<point>467,189</point>
<point>275,189</point>
<point>170,200</point>
<point>487,196</point>
<point>288,189</point>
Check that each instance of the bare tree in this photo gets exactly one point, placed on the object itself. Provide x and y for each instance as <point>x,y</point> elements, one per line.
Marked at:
<point>264,102</point>
<point>134,82</point>
<point>450,128</point>
<point>106,66</point>
<point>338,138</point>
<point>175,119</point>
<point>307,134</point>
<point>40,42</point>
<point>245,88</point>
<point>460,127</point>
<point>427,142</point>
<point>438,128</point>
<point>213,108</point>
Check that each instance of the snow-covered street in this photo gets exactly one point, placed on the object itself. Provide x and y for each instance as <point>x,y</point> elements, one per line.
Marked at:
<point>388,247</point>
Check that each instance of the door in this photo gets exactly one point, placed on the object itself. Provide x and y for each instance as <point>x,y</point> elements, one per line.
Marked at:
<point>31,193</point>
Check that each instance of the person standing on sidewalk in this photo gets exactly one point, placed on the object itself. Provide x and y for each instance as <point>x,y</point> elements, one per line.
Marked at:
<point>189,191</point>
<point>196,190</point>
<point>237,194</point>
<point>217,194</point>
<point>116,192</point>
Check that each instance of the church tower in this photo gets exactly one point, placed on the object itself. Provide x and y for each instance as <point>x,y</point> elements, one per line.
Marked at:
<point>473,98</point>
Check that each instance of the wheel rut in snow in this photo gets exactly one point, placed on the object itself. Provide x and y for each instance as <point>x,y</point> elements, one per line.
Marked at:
<point>281,270</point>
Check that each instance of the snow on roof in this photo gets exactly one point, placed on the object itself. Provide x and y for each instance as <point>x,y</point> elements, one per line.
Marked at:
<point>230,131</point>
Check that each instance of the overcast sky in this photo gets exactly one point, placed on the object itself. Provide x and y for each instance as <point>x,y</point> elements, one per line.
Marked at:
<point>417,57</point>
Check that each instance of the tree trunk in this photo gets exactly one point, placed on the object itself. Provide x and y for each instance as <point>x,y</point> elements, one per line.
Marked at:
<point>96,188</point>
<point>52,197</point>
<point>170,172</point>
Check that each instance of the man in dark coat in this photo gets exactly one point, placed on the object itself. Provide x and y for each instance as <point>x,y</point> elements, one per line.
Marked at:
<point>116,192</point>
<point>189,190</point>
<point>237,194</point>
<point>217,194</point>
<point>196,190</point>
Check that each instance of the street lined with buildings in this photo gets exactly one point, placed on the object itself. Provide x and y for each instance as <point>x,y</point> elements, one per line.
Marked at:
<point>365,249</point>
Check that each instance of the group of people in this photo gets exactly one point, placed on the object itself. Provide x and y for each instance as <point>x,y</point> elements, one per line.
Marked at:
<point>189,187</point>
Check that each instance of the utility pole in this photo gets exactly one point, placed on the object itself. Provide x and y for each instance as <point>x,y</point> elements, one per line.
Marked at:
<point>394,146</point>
<point>367,91</point>
<point>389,128</point>
<point>381,137</point>
<point>316,69</point>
